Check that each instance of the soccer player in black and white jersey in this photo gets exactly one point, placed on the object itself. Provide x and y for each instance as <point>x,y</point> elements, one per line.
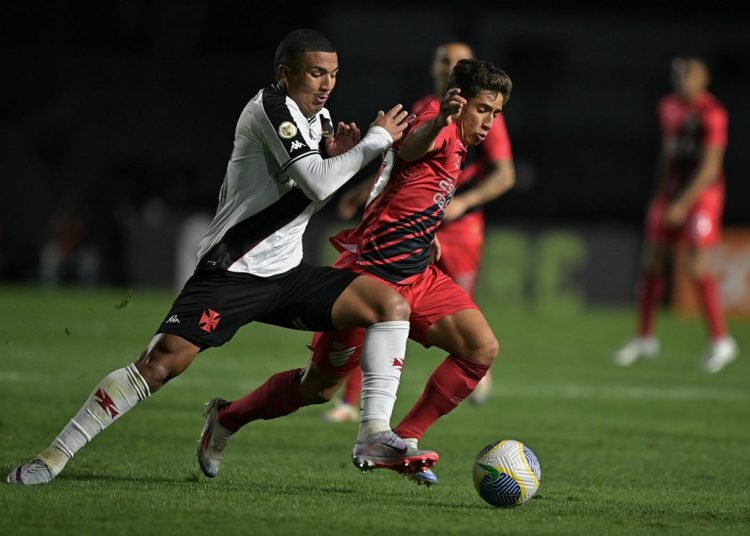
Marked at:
<point>286,163</point>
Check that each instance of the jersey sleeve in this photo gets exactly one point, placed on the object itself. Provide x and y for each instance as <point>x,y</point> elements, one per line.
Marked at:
<point>497,145</point>
<point>284,137</point>
<point>715,128</point>
<point>427,113</point>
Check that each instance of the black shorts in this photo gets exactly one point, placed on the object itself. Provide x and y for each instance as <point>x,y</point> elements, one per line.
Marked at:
<point>213,305</point>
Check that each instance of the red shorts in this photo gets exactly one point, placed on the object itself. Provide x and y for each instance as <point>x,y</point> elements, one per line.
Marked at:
<point>432,296</point>
<point>702,228</point>
<point>461,244</point>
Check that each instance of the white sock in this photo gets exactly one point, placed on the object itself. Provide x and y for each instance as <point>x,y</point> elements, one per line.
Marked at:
<point>411,441</point>
<point>382,359</point>
<point>114,395</point>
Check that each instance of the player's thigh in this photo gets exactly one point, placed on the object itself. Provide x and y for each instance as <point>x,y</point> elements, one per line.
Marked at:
<point>213,305</point>
<point>659,236</point>
<point>444,315</point>
<point>465,334</point>
<point>306,298</point>
<point>367,301</point>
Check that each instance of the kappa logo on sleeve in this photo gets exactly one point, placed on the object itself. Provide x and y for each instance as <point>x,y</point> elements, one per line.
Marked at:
<point>296,145</point>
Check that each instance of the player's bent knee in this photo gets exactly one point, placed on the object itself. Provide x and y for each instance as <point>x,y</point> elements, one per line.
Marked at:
<point>393,307</point>
<point>485,350</point>
<point>490,350</point>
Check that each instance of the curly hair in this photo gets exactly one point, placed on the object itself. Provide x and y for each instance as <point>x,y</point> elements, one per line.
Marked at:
<point>474,76</point>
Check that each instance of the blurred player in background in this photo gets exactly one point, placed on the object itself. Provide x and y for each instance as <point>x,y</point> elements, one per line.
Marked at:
<point>282,170</point>
<point>686,210</point>
<point>394,245</point>
<point>488,173</point>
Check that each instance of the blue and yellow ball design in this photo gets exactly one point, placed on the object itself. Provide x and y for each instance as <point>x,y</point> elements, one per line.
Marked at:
<point>506,473</point>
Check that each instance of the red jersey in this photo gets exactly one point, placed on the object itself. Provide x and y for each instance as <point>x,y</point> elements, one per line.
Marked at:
<point>687,128</point>
<point>479,158</point>
<point>406,206</point>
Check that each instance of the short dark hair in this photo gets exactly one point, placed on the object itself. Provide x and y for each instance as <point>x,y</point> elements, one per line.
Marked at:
<point>475,76</point>
<point>296,43</point>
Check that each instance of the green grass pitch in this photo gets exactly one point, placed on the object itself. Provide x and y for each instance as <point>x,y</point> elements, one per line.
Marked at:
<point>658,448</point>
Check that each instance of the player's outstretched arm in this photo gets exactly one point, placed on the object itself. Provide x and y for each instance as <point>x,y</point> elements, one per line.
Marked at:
<point>421,140</point>
<point>319,178</point>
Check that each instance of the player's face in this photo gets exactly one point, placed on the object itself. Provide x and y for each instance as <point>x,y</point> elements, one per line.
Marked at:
<point>689,78</point>
<point>477,117</point>
<point>311,80</point>
<point>446,57</point>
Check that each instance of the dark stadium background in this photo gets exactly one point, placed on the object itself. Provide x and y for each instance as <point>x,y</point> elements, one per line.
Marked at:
<point>126,109</point>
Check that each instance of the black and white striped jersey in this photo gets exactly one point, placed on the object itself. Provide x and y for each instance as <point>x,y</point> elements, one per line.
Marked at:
<point>275,181</point>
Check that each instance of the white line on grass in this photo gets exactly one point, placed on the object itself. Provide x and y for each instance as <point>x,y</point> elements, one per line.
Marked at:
<point>535,391</point>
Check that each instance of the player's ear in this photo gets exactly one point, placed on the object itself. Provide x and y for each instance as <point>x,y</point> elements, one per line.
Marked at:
<point>282,72</point>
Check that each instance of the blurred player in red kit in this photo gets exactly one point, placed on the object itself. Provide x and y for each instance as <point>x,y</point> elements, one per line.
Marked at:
<point>488,173</point>
<point>686,210</point>
<point>394,244</point>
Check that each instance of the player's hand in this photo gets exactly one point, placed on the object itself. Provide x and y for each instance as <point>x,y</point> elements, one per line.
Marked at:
<point>347,136</point>
<point>393,121</point>
<point>451,106</point>
<point>455,209</point>
<point>435,250</point>
<point>675,215</point>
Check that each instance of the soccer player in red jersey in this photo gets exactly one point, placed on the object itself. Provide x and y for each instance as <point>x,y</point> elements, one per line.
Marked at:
<point>686,209</point>
<point>488,173</point>
<point>394,245</point>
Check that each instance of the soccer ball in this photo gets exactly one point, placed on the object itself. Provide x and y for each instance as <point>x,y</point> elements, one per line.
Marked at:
<point>506,473</point>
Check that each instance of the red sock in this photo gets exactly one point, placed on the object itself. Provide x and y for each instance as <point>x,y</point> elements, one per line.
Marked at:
<point>279,396</point>
<point>352,388</point>
<point>649,296</point>
<point>449,385</point>
<point>708,294</point>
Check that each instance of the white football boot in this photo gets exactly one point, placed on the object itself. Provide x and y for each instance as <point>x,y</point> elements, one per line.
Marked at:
<point>214,439</point>
<point>637,348</point>
<point>386,450</point>
<point>425,477</point>
<point>720,353</point>
<point>31,473</point>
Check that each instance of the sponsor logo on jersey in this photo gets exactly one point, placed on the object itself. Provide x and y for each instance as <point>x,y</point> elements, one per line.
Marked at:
<point>173,320</point>
<point>398,363</point>
<point>296,144</point>
<point>209,320</point>
<point>443,198</point>
<point>106,402</point>
<point>287,130</point>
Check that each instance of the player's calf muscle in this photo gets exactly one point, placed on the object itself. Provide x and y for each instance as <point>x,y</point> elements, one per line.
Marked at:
<point>165,358</point>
